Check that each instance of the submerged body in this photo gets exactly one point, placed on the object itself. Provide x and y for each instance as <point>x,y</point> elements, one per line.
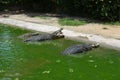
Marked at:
<point>39,38</point>
<point>42,37</point>
<point>80,48</point>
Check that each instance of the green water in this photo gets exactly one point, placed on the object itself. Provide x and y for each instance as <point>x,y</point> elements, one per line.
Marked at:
<point>43,61</point>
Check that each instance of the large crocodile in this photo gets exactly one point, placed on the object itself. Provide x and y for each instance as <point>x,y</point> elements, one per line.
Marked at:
<point>79,48</point>
<point>42,37</point>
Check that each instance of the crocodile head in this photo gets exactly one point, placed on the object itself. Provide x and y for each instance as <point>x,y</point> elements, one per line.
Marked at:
<point>96,45</point>
<point>58,34</point>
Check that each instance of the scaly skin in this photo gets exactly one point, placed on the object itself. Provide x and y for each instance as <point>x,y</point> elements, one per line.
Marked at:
<point>38,37</point>
<point>80,48</point>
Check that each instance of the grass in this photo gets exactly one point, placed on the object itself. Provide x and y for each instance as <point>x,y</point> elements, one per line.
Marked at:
<point>76,22</point>
<point>117,23</point>
<point>71,22</point>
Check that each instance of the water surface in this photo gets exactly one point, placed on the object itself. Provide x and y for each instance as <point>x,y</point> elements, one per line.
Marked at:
<point>43,61</point>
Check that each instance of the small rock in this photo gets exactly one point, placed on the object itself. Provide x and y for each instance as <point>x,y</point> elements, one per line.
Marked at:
<point>105,28</point>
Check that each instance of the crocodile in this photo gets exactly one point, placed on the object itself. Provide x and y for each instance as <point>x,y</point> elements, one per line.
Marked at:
<point>36,37</point>
<point>79,48</point>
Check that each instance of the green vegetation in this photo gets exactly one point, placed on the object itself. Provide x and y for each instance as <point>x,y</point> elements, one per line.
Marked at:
<point>71,22</point>
<point>113,23</point>
<point>95,9</point>
<point>43,61</point>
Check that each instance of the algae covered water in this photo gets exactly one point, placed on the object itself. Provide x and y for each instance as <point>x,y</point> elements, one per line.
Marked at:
<point>43,61</point>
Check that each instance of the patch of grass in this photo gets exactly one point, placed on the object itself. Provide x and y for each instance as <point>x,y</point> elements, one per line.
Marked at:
<point>71,22</point>
<point>113,23</point>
